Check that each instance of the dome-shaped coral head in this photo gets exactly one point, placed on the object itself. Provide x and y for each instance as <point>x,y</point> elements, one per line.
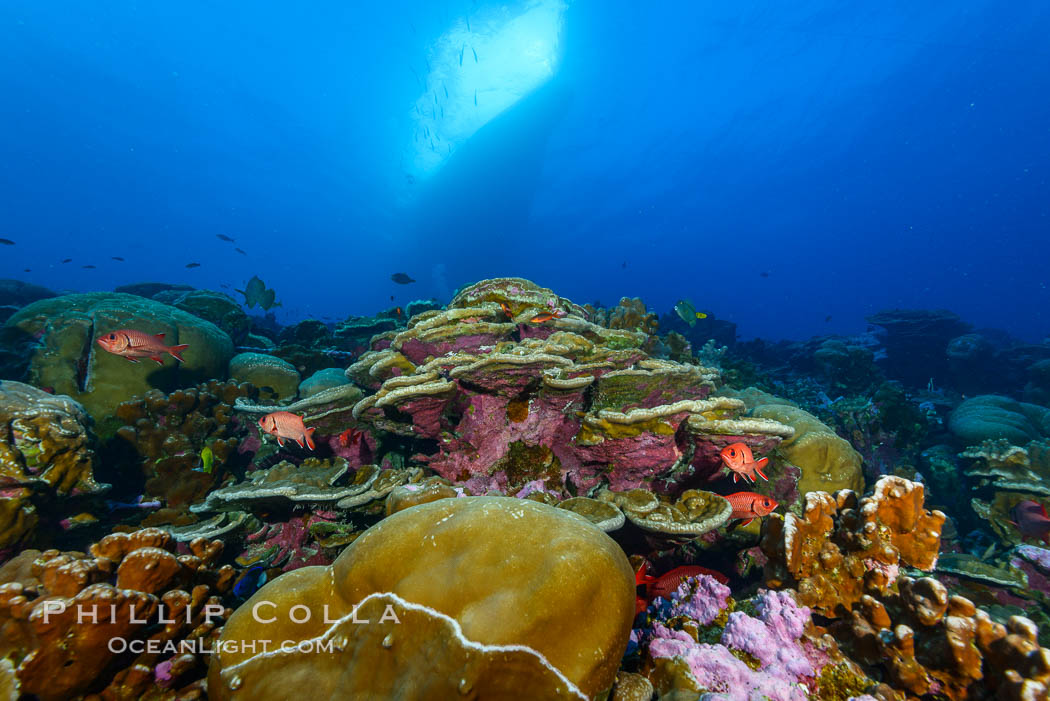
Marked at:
<point>741,462</point>
<point>284,425</point>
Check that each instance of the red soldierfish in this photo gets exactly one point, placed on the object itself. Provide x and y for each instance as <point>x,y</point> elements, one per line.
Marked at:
<point>1031,519</point>
<point>133,345</point>
<point>285,425</point>
<point>738,458</point>
<point>750,506</point>
<point>666,584</point>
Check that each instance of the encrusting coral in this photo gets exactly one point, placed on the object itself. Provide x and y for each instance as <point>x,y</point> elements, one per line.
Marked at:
<point>842,547</point>
<point>929,642</point>
<point>700,640</point>
<point>45,451</point>
<point>60,614</point>
<point>170,431</point>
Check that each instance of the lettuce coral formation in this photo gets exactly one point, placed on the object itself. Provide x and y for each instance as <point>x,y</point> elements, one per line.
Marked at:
<point>507,399</point>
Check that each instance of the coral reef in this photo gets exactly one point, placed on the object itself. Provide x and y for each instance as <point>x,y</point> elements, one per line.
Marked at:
<point>61,612</point>
<point>490,482</point>
<point>842,547</point>
<point>523,572</point>
<point>274,377</point>
<point>216,307</point>
<point>991,416</point>
<point>826,461</point>
<point>65,357</point>
<point>45,455</point>
<point>1001,476</point>
<point>701,641</point>
<point>505,400</point>
<point>928,642</point>
<point>916,342</point>
<point>169,431</point>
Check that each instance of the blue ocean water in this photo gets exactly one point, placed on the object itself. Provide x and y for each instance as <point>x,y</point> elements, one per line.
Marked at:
<point>861,156</point>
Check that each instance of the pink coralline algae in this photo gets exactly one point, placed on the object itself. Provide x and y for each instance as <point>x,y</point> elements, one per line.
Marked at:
<point>285,544</point>
<point>772,637</point>
<point>775,637</point>
<point>495,399</point>
<point>700,598</point>
<point>716,669</point>
<point>1035,554</point>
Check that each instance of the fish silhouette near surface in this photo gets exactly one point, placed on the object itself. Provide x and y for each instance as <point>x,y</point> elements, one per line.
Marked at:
<point>193,265</point>
<point>284,425</point>
<point>1030,518</point>
<point>7,242</point>
<point>748,505</point>
<point>224,237</point>
<point>738,458</point>
<point>401,279</point>
<point>132,344</point>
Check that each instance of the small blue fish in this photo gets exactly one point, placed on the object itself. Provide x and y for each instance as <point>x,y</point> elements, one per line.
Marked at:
<point>475,54</point>
<point>461,50</point>
<point>475,98</point>
<point>137,504</point>
<point>250,582</point>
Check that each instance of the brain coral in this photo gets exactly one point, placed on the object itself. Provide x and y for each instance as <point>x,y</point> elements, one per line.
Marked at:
<point>508,572</point>
<point>68,360</point>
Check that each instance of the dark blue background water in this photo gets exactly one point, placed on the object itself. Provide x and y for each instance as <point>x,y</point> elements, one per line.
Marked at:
<point>864,155</point>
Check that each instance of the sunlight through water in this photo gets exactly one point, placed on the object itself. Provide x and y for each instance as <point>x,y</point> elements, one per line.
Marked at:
<point>482,65</point>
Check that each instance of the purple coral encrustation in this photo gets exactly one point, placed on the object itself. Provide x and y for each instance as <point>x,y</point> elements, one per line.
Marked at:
<point>701,598</point>
<point>772,638</point>
<point>1035,555</point>
<point>716,669</point>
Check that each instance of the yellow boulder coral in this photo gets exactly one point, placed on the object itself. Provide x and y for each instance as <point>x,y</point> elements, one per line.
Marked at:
<point>828,462</point>
<point>509,572</point>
